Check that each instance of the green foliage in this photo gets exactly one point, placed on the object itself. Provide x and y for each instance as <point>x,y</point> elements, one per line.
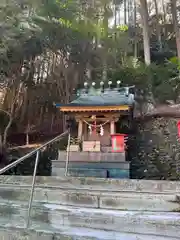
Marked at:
<point>62,39</point>
<point>163,79</point>
<point>175,62</point>
<point>26,168</point>
<point>122,28</point>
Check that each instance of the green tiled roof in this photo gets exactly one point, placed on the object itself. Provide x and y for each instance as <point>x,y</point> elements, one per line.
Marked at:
<point>110,97</point>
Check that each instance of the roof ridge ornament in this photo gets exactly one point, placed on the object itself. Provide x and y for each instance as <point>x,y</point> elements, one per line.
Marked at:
<point>102,89</point>
<point>110,84</point>
<point>102,86</point>
<point>127,91</point>
<point>118,84</point>
<point>86,87</point>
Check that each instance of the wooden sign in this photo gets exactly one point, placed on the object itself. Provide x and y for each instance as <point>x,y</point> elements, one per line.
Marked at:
<point>91,146</point>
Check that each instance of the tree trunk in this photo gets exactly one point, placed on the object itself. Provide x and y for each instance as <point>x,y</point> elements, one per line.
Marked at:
<point>25,105</point>
<point>27,133</point>
<point>6,131</point>
<point>158,30</point>
<point>1,142</point>
<point>146,40</point>
<point>3,153</point>
<point>125,12</point>
<point>135,29</point>
<point>119,15</point>
<point>115,14</point>
<point>105,25</point>
<point>52,122</point>
<point>164,10</point>
<point>27,138</point>
<point>128,12</point>
<point>175,25</point>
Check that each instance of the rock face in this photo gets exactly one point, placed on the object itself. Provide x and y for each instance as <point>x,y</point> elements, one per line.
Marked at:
<point>155,149</point>
<point>89,209</point>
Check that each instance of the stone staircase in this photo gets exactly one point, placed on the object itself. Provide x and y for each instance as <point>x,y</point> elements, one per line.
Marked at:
<point>89,208</point>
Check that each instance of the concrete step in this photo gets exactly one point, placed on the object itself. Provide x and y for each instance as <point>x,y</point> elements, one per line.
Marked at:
<point>91,164</point>
<point>56,218</point>
<point>112,185</point>
<point>71,233</point>
<point>83,172</point>
<point>89,172</point>
<point>166,202</point>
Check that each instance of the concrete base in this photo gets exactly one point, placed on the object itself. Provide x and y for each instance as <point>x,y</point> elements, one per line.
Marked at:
<point>92,164</point>
<point>92,169</point>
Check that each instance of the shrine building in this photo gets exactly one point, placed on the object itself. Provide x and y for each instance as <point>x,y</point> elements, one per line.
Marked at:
<point>99,149</point>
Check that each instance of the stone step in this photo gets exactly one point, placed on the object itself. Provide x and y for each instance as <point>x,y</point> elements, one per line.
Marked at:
<point>83,172</point>
<point>59,218</point>
<point>116,173</point>
<point>93,199</point>
<point>91,164</point>
<point>72,233</point>
<point>100,184</point>
<point>89,172</point>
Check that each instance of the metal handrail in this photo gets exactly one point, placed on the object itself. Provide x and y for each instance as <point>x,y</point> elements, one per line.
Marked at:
<point>67,155</point>
<point>11,165</point>
<point>37,151</point>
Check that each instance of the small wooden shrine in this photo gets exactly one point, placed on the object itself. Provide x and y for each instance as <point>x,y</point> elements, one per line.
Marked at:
<point>97,112</point>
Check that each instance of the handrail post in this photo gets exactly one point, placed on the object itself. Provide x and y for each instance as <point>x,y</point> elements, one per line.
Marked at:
<point>32,189</point>
<point>67,155</point>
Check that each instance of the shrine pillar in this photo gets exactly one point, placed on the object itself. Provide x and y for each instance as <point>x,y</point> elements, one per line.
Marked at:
<point>112,127</point>
<point>80,129</point>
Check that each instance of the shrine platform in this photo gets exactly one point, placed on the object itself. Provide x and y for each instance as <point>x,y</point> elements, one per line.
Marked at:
<point>92,164</point>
